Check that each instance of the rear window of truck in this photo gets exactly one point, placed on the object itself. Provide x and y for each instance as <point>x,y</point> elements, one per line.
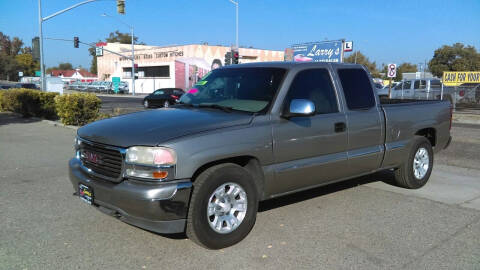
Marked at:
<point>356,88</point>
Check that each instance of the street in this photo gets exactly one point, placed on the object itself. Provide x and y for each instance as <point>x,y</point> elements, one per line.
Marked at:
<point>364,223</point>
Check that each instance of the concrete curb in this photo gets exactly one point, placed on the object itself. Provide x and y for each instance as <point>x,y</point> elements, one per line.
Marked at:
<point>55,123</point>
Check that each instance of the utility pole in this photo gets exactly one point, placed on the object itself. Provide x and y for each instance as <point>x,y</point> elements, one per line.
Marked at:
<point>133,49</point>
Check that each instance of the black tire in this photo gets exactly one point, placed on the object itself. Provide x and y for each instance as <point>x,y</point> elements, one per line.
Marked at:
<point>404,175</point>
<point>146,104</point>
<point>198,228</point>
<point>166,104</point>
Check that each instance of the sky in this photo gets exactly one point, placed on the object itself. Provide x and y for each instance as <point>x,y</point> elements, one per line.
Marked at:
<point>386,31</point>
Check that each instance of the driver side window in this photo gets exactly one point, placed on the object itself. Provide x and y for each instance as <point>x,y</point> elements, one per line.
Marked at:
<point>314,85</point>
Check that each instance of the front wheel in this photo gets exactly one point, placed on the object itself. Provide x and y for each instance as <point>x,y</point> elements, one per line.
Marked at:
<point>166,104</point>
<point>146,104</point>
<point>416,169</point>
<point>223,206</point>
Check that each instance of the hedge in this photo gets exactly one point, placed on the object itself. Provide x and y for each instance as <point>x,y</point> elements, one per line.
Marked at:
<point>29,102</point>
<point>78,109</point>
<point>72,109</point>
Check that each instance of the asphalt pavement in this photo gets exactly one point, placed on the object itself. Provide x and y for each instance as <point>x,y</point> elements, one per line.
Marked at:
<point>364,223</point>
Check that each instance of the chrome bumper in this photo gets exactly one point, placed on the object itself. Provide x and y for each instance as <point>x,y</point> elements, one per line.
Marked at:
<point>158,207</point>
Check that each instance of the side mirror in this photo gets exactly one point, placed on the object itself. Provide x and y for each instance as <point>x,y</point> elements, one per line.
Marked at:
<point>300,107</point>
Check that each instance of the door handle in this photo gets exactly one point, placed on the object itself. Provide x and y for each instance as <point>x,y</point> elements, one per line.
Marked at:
<point>340,127</point>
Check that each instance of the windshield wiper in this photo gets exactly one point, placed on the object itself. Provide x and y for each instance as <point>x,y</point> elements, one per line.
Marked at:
<point>216,106</point>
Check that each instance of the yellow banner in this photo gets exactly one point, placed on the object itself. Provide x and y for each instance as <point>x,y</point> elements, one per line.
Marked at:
<point>460,77</point>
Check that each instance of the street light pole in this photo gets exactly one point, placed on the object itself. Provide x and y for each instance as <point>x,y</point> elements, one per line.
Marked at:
<point>40,20</point>
<point>133,65</point>
<point>236,22</point>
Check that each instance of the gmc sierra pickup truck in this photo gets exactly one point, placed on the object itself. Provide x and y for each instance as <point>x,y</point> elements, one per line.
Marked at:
<point>247,133</point>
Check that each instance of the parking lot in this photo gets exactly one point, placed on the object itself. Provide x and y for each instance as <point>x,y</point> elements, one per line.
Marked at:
<point>364,223</point>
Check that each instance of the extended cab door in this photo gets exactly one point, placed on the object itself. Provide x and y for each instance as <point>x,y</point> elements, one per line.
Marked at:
<point>365,121</point>
<point>310,150</point>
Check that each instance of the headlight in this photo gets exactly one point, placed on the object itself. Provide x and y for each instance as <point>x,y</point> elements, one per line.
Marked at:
<point>150,163</point>
<point>151,156</point>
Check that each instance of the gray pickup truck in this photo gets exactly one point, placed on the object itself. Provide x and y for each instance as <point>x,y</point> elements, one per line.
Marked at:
<point>247,133</point>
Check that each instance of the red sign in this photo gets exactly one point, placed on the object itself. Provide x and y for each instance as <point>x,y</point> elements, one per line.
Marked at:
<point>101,44</point>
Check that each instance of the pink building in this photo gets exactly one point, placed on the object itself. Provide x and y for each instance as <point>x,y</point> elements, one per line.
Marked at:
<point>172,66</point>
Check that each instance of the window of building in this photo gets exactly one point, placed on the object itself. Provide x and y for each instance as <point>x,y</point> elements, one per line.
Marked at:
<point>357,88</point>
<point>316,86</point>
<point>149,72</point>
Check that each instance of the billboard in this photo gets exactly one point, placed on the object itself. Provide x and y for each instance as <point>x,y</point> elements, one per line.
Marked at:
<point>323,51</point>
<point>459,77</point>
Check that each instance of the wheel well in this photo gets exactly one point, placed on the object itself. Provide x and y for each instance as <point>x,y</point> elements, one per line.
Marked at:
<point>428,133</point>
<point>249,163</point>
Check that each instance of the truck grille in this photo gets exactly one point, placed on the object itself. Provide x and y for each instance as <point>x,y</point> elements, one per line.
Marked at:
<point>102,161</point>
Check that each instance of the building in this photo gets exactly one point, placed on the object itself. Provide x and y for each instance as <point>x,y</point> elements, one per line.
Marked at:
<point>171,66</point>
<point>416,75</point>
<point>73,75</point>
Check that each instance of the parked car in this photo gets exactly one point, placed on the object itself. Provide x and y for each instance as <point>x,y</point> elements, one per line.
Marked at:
<point>163,97</point>
<point>26,85</point>
<point>248,133</point>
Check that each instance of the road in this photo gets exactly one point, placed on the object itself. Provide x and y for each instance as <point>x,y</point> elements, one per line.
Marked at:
<point>364,223</point>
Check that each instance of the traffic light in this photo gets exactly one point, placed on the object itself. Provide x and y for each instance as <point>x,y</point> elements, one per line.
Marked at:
<point>228,58</point>
<point>75,42</point>
<point>235,57</point>
<point>121,6</point>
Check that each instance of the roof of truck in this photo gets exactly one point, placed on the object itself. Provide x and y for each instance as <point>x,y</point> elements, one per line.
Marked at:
<point>289,64</point>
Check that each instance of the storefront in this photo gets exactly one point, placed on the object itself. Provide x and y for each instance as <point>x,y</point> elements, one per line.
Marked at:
<point>173,66</point>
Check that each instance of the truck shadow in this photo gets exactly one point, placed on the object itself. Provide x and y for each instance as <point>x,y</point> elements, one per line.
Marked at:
<point>383,176</point>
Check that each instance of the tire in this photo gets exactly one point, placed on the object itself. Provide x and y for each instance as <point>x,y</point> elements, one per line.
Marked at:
<point>199,228</point>
<point>405,175</point>
<point>166,104</point>
<point>146,104</point>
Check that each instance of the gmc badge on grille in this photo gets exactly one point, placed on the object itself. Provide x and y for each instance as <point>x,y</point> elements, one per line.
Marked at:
<point>92,157</point>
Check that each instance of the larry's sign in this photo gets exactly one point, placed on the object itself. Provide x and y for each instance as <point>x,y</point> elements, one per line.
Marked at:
<point>326,51</point>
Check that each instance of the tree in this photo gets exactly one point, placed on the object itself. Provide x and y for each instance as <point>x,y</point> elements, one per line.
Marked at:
<point>27,64</point>
<point>9,63</point>
<point>363,60</point>
<point>454,58</point>
<point>61,66</point>
<point>402,68</point>
<point>117,36</point>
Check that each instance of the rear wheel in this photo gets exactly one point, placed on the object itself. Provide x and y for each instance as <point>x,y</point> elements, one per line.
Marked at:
<point>416,169</point>
<point>223,206</point>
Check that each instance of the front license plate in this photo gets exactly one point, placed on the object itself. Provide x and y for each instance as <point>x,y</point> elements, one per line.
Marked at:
<point>85,193</point>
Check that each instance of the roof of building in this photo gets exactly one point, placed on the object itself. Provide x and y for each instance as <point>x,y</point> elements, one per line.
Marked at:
<point>71,72</point>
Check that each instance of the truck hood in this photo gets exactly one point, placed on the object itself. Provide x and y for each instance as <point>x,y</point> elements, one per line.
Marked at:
<point>153,127</point>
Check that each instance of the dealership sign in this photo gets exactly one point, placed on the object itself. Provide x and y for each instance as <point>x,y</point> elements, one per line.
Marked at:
<point>459,77</point>
<point>325,51</point>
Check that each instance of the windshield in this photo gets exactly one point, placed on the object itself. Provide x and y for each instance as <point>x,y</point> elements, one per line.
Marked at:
<point>242,89</point>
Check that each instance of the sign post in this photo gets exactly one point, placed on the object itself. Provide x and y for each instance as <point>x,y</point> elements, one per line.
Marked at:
<point>391,73</point>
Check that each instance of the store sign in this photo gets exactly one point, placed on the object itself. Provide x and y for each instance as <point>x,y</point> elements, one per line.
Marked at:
<point>326,51</point>
<point>116,84</point>
<point>155,55</point>
<point>98,51</point>
<point>459,77</point>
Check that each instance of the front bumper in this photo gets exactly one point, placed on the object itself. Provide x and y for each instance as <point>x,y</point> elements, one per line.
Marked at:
<point>158,207</point>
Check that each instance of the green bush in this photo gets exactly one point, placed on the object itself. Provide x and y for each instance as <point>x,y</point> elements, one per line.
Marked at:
<point>78,109</point>
<point>29,102</point>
